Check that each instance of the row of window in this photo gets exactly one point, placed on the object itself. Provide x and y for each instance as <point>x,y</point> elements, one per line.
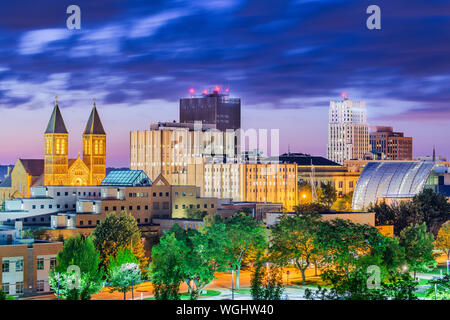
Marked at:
<point>191,206</point>
<point>50,206</point>
<point>18,265</point>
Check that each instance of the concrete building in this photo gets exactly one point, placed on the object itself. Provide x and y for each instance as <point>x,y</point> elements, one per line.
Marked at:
<point>175,150</point>
<point>394,145</point>
<point>214,107</point>
<point>348,131</point>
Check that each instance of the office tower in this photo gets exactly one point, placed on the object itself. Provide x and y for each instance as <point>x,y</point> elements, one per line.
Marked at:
<point>214,107</point>
<point>394,145</point>
<point>348,131</point>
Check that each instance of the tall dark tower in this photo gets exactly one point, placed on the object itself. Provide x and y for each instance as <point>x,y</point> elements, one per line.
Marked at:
<point>94,148</point>
<point>56,161</point>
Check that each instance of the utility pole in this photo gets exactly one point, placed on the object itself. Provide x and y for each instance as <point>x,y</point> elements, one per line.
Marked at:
<point>232,284</point>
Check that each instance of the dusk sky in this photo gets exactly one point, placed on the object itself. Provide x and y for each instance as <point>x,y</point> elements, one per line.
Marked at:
<point>285,59</point>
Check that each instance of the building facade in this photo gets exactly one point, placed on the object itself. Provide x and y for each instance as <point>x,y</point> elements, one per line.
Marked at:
<point>394,145</point>
<point>25,267</point>
<point>212,108</point>
<point>58,168</point>
<point>348,131</point>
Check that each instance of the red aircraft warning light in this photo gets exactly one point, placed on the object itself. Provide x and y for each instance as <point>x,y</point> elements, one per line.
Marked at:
<point>191,90</point>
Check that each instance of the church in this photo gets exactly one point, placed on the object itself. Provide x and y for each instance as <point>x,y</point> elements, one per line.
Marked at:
<point>56,168</point>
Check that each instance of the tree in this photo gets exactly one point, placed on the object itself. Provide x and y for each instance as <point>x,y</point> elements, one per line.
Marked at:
<point>116,231</point>
<point>244,234</point>
<point>167,267</point>
<point>327,195</point>
<point>36,234</point>
<point>209,253</point>
<point>443,242</point>
<point>293,239</point>
<point>418,246</point>
<point>80,252</point>
<point>124,272</point>
<point>195,213</point>
<point>266,287</point>
<point>439,289</point>
<point>432,208</point>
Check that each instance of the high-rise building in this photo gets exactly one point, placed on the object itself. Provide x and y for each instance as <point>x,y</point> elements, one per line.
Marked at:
<point>348,131</point>
<point>394,145</point>
<point>212,108</point>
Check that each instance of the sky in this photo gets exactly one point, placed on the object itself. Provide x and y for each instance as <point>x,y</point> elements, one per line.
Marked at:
<point>285,59</point>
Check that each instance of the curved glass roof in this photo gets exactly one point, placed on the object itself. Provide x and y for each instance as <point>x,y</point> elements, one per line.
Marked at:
<point>390,180</point>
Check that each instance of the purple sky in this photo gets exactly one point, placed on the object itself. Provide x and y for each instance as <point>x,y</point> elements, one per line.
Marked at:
<point>284,59</point>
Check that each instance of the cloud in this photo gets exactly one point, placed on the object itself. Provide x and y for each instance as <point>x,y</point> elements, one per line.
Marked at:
<point>36,41</point>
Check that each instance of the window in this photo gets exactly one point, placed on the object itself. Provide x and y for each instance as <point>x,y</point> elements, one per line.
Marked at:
<point>19,287</point>
<point>40,285</point>
<point>191,206</point>
<point>176,206</point>
<point>130,208</point>
<point>52,263</point>
<point>50,206</point>
<point>5,266</point>
<point>89,222</point>
<point>5,287</point>
<point>33,206</point>
<point>205,206</point>
<point>138,220</point>
<point>138,207</point>
<point>114,208</point>
<point>198,206</point>
<point>154,194</point>
<point>81,222</point>
<point>167,194</point>
<point>42,206</point>
<point>146,219</point>
<point>106,209</point>
<point>166,205</point>
<point>160,194</point>
<point>122,208</point>
<point>66,194</point>
<point>42,219</point>
<point>155,205</point>
<point>58,206</point>
<point>146,207</point>
<point>19,265</point>
<point>212,205</point>
<point>40,264</point>
<point>58,194</point>
<point>66,206</point>
<point>98,221</point>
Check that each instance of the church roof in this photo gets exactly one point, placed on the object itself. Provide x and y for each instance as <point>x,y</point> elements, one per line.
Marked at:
<point>94,124</point>
<point>56,122</point>
<point>34,167</point>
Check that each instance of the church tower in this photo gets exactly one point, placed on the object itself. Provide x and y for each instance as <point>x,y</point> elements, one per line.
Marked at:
<point>94,148</point>
<point>56,150</point>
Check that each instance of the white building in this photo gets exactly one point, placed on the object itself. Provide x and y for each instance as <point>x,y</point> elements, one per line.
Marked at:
<point>348,131</point>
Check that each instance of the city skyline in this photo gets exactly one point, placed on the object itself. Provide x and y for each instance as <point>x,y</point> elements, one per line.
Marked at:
<point>285,61</point>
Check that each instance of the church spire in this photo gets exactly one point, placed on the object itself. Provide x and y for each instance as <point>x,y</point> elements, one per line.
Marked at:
<point>56,122</point>
<point>94,124</point>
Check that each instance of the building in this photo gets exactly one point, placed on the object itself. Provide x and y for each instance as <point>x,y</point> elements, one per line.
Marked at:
<point>319,170</point>
<point>132,191</point>
<point>397,180</point>
<point>348,131</point>
<point>215,108</point>
<point>394,145</point>
<point>176,149</point>
<point>58,168</point>
<point>257,210</point>
<point>26,264</point>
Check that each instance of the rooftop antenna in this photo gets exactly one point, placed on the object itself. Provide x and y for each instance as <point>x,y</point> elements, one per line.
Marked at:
<point>434,153</point>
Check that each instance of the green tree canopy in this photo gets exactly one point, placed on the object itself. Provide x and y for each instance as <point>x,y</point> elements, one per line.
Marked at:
<point>116,231</point>
<point>80,252</point>
<point>245,235</point>
<point>123,271</point>
<point>167,266</point>
<point>418,244</point>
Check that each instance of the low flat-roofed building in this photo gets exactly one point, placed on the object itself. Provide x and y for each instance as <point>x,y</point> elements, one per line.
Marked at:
<point>25,266</point>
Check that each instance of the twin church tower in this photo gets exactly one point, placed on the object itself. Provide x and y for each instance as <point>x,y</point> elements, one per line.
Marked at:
<point>58,168</point>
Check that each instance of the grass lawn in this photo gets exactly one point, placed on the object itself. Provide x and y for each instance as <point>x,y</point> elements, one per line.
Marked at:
<point>185,295</point>
<point>243,291</point>
<point>311,282</point>
<point>438,269</point>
